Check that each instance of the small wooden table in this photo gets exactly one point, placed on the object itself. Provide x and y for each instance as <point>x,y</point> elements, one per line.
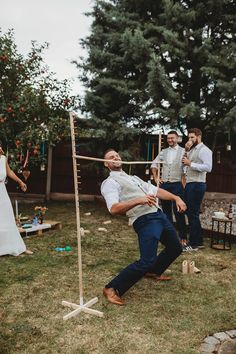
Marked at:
<point>221,231</point>
<point>54,224</point>
<point>39,229</point>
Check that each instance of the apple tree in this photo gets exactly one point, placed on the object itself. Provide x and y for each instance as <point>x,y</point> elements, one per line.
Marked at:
<point>33,104</point>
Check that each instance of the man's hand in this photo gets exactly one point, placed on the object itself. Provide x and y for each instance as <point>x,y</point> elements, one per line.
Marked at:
<point>188,145</point>
<point>180,205</point>
<point>148,199</point>
<point>122,207</point>
<point>158,182</point>
<point>186,161</point>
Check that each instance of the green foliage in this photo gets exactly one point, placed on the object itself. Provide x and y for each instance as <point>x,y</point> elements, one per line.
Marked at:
<point>168,62</point>
<point>33,104</point>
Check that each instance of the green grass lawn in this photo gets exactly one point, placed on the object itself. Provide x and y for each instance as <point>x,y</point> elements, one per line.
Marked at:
<point>170,317</point>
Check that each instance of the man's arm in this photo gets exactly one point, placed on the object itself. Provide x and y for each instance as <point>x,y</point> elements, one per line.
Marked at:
<point>206,166</point>
<point>155,167</point>
<point>110,190</point>
<point>123,207</point>
<point>154,173</point>
<point>163,194</point>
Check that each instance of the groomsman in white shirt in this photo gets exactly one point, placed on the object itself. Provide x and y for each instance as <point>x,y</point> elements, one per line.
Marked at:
<point>198,163</point>
<point>171,181</point>
<point>130,195</point>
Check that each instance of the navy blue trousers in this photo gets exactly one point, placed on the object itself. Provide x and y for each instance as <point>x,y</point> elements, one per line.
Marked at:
<point>150,228</point>
<point>168,206</point>
<point>193,196</point>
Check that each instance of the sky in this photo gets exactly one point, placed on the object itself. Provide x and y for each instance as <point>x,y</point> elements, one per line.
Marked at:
<point>61,23</point>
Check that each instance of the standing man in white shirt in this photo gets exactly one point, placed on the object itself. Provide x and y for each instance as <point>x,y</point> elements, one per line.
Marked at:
<point>130,195</point>
<point>171,181</point>
<point>198,163</point>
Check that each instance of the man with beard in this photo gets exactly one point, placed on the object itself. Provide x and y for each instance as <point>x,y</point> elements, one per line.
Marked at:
<point>130,195</point>
<point>197,163</point>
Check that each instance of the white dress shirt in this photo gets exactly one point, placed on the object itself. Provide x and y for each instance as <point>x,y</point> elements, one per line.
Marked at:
<point>205,154</point>
<point>171,156</point>
<point>111,189</point>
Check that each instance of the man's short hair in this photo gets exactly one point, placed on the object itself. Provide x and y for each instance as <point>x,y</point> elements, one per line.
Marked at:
<point>195,131</point>
<point>173,132</point>
<point>108,150</point>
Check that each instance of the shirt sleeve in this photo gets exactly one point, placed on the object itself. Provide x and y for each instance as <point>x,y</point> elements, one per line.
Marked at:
<point>110,190</point>
<point>206,166</point>
<point>154,189</point>
<point>154,162</point>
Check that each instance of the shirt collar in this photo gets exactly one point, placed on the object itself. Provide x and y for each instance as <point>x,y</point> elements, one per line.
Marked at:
<point>119,173</point>
<point>174,148</point>
<point>198,146</point>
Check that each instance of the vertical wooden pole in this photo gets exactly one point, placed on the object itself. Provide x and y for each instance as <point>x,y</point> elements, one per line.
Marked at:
<point>81,307</point>
<point>159,167</point>
<point>73,146</point>
<point>153,151</point>
<point>49,174</point>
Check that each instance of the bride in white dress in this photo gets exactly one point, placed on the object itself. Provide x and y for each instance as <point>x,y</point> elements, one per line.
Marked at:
<point>10,238</point>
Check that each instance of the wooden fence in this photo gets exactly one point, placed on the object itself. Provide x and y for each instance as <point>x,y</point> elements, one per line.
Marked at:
<point>222,179</point>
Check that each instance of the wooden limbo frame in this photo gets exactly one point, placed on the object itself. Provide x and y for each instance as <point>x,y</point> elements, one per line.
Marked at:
<point>85,307</point>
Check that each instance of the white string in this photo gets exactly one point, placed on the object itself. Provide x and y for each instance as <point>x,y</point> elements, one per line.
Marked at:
<point>123,162</point>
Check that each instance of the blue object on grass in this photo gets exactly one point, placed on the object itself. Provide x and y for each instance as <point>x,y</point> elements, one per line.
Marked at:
<point>67,248</point>
<point>26,226</point>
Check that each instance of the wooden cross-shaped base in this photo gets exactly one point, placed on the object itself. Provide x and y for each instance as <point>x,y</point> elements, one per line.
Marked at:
<point>81,308</point>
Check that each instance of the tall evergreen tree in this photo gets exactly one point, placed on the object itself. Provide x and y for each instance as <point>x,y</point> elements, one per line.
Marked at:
<point>167,62</point>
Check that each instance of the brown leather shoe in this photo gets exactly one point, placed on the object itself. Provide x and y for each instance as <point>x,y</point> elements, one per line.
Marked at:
<point>156,277</point>
<point>150,275</point>
<point>163,278</point>
<point>112,296</point>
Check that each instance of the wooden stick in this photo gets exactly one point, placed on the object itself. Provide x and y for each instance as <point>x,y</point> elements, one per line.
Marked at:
<point>153,151</point>
<point>49,174</point>
<point>159,169</point>
<point>77,210</point>
<point>81,307</point>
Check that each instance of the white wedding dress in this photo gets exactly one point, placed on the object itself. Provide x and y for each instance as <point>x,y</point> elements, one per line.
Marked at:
<point>10,238</point>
